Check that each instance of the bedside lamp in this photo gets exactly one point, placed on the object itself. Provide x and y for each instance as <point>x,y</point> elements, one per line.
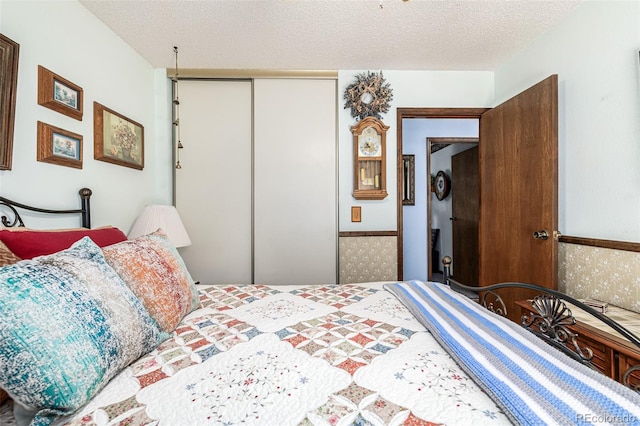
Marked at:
<point>164,217</point>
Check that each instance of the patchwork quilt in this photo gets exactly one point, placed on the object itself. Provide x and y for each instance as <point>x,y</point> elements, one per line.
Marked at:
<point>294,355</point>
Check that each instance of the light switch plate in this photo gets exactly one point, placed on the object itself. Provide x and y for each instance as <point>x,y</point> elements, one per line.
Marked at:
<point>356,214</point>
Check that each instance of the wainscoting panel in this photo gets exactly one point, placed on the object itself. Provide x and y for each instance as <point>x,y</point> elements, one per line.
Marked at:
<point>607,274</point>
<point>368,258</point>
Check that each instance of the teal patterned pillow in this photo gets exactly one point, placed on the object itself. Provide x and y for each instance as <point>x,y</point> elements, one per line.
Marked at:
<point>68,324</point>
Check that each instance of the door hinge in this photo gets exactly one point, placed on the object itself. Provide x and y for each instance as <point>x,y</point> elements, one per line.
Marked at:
<point>556,235</point>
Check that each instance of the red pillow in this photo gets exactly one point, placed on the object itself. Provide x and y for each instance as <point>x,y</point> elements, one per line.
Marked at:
<point>29,243</point>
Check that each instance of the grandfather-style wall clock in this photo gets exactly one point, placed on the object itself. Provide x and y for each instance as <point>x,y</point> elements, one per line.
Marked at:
<point>369,159</point>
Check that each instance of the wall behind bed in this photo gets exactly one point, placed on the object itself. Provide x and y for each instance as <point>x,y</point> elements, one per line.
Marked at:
<point>67,39</point>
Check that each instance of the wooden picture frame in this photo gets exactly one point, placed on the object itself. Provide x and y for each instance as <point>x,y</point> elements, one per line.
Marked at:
<point>408,180</point>
<point>9,51</point>
<point>116,138</point>
<point>59,94</point>
<point>59,146</point>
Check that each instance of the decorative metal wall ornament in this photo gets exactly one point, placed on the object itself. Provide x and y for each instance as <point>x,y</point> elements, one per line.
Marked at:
<point>176,113</point>
<point>368,96</point>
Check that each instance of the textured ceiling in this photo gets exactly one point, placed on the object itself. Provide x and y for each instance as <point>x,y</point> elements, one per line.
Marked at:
<point>330,34</point>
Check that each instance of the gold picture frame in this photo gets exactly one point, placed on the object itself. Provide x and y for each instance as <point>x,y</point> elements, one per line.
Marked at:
<point>9,51</point>
<point>59,94</point>
<point>59,146</point>
<point>116,138</point>
<point>408,180</point>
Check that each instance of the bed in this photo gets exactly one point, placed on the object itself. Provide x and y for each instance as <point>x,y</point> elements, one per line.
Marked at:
<point>412,353</point>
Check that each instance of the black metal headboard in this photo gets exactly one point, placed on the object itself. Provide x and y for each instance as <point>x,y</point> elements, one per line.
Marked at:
<point>16,221</point>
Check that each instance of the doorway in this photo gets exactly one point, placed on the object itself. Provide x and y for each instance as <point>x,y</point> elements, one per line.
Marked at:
<point>419,251</point>
<point>455,217</point>
<point>518,188</point>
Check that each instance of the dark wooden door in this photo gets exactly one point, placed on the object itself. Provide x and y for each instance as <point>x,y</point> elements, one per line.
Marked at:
<point>519,191</point>
<point>465,214</point>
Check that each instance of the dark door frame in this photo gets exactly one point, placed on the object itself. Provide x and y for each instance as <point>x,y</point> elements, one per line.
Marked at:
<point>401,114</point>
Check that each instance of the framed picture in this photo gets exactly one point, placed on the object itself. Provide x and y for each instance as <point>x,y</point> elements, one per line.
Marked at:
<point>58,146</point>
<point>408,180</point>
<point>9,51</point>
<point>59,94</point>
<point>116,138</point>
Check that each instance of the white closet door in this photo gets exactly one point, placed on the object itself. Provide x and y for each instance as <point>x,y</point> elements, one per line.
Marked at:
<point>295,181</point>
<point>213,188</point>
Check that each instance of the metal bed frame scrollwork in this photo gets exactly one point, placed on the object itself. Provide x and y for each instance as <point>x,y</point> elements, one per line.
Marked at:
<point>550,318</point>
<point>16,220</point>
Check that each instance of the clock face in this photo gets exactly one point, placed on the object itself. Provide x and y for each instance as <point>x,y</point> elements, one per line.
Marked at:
<point>369,143</point>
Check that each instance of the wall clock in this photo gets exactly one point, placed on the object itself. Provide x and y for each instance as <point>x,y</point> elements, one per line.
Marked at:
<point>442,185</point>
<point>369,159</point>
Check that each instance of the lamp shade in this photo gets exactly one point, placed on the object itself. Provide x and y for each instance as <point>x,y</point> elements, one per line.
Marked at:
<point>163,217</point>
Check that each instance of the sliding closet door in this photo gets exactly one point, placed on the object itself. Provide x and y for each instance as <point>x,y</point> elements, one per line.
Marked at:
<point>295,181</point>
<point>213,188</point>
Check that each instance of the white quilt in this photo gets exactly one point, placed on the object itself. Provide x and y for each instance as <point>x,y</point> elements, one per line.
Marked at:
<point>283,355</point>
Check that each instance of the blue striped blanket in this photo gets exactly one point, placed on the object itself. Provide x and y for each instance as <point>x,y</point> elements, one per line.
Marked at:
<point>532,382</point>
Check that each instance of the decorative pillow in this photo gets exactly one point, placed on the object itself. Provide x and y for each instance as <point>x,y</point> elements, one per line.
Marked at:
<point>68,325</point>
<point>153,269</point>
<point>7,257</point>
<point>29,243</point>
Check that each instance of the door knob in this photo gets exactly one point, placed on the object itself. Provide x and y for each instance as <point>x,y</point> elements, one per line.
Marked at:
<point>541,235</point>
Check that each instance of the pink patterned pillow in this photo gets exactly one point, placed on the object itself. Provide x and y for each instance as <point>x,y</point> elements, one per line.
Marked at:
<point>153,269</point>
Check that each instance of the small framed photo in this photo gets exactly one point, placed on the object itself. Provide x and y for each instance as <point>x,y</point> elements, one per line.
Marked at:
<point>59,94</point>
<point>117,139</point>
<point>58,146</point>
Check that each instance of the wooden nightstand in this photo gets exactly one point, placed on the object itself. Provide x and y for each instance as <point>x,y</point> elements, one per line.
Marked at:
<point>612,354</point>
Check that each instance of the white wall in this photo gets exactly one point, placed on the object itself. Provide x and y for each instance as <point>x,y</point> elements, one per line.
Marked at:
<point>67,39</point>
<point>87,53</point>
<point>594,51</point>
<point>410,89</point>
